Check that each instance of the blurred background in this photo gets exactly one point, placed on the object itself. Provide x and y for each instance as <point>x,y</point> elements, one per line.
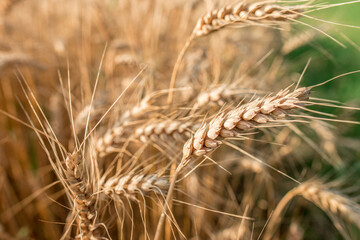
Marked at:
<point>329,59</point>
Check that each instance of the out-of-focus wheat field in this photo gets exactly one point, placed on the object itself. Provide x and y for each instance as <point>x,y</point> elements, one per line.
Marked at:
<point>332,59</point>
<point>181,119</point>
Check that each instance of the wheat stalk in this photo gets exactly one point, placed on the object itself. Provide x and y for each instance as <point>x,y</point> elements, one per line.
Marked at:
<point>330,201</point>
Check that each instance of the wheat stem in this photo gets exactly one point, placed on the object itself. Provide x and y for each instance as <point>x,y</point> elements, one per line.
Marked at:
<point>176,68</point>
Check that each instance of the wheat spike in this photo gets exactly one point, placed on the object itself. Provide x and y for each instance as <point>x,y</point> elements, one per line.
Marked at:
<point>103,144</point>
<point>84,201</point>
<point>298,41</point>
<point>218,94</point>
<point>245,117</point>
<point>243,13</point>
<point>13,59</point>
<point>95,110</point>
<point>131,185</point>
<point>221,95</point>
<point>235,232</point>
<point>127,60</point>
<point>175,129</point>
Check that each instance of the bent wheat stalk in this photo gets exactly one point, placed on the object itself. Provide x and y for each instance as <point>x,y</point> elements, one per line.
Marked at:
<point>265,12</point>
<point>330,201</point>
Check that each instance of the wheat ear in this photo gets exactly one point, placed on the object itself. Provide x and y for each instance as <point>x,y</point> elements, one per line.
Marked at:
<point>174,129</point>
<point>127,60</point>
<point>95,110</point>
<point>84,201</point>
<point>244,13</point>
<point>220,95</point>
<point>130,185</point>
<point>103,145</point>
<point>297,41</point>
<point>8,59</point>
<point>256,13</point>
<point>244,117</point>
<point>235,232</point>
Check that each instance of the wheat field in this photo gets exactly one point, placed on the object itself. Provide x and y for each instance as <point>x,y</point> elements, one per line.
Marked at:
<point>182,119</point>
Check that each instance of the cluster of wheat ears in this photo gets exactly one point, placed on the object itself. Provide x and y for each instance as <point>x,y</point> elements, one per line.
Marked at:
<point>168,120</point>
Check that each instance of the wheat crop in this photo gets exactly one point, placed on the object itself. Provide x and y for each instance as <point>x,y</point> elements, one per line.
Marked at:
<point>179,120</point>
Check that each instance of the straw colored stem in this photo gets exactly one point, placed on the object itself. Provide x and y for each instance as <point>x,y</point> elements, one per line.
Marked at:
<point>176,69</point>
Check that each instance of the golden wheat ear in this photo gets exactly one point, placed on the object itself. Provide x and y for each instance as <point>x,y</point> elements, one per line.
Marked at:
<point>129,186</point>
<point>244,13</point>
<point>244,117</point>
